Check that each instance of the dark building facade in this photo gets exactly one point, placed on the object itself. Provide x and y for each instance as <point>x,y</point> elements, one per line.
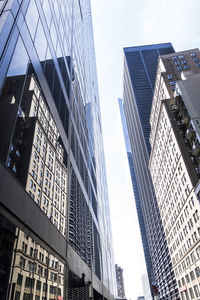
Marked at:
<point>55,233</point>
<point>147,255</point>
<point>120,282</point>
<point>140,66</point>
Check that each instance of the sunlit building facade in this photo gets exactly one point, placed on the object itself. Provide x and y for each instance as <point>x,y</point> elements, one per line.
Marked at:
<point>175,161</point>
<point>140,65</point>
<point>55,232</point>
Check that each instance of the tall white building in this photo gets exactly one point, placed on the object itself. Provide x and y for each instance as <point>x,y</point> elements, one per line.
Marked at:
<point>174,163</point>
<point>140,65</point>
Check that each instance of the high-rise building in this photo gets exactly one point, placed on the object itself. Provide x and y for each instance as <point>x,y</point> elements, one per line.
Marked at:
<point>175,163</point>
<point>55,232</point>
<point>147,256</point>
<point>120,282</point>
<point>140,65</point>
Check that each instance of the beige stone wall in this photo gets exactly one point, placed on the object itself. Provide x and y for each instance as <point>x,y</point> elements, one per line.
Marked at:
<point>177,200</point>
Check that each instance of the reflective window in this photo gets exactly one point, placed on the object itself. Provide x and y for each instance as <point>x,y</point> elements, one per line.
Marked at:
<point>47,11</point>
<point>28,104</point>
<point>184,61</point>
<point>19,62</point>
<point>53,34</point>
<point>32,17</point>
<point>180,68</point>
<point>24,281</point>
<point>56,10</point>
<point>48,54</point>
<point>186,67</point>
<point>40,42</point>
<point>58,50</point>
<point>170,76</point>
<point>61,30</point>
<point>196,290</point>
<point>191,293</point>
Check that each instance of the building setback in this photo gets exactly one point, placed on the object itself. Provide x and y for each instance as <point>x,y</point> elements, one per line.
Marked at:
<point>140,65</point>
<point>55,232</point>
<point>174,163</point>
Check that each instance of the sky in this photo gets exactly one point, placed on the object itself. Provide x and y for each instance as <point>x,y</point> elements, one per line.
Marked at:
<point>118,24</point>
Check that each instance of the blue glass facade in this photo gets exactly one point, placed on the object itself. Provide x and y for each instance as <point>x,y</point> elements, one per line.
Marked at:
<point>140,66</point>
<point>51,155</point>
<point>147,256</point>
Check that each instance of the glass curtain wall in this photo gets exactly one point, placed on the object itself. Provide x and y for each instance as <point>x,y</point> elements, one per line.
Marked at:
<point>51,141</point>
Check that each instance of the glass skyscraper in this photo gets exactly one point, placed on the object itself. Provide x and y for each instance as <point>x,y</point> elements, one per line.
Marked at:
<point>55,233</point>
<point>140,66</point>
<point>147,256</point>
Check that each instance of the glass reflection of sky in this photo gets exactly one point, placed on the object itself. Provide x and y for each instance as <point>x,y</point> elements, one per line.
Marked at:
<point>18,65</point>
<point>40,42</point>
<point>32,17</point>
<point>47,11</point>
<point>58,23</point>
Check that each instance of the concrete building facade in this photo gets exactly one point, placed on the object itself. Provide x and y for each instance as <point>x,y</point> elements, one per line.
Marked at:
<point>140,65</point>
<point>174,163</point>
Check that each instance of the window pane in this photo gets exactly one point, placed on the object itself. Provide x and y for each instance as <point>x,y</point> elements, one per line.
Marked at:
<point>47,11</point>
<point>32,17</point>
<point>40,42</point>
<point>53,34</point>
<point>19,62</point>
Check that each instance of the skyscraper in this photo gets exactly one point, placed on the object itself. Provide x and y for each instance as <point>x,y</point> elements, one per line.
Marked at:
<point>140,65</point>
<point>120,282</point>
<point>55,233</point>
<point>151,278</point>
<point>174,163</point>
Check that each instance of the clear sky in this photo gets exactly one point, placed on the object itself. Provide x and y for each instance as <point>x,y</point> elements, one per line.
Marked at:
<point>118,24</point>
